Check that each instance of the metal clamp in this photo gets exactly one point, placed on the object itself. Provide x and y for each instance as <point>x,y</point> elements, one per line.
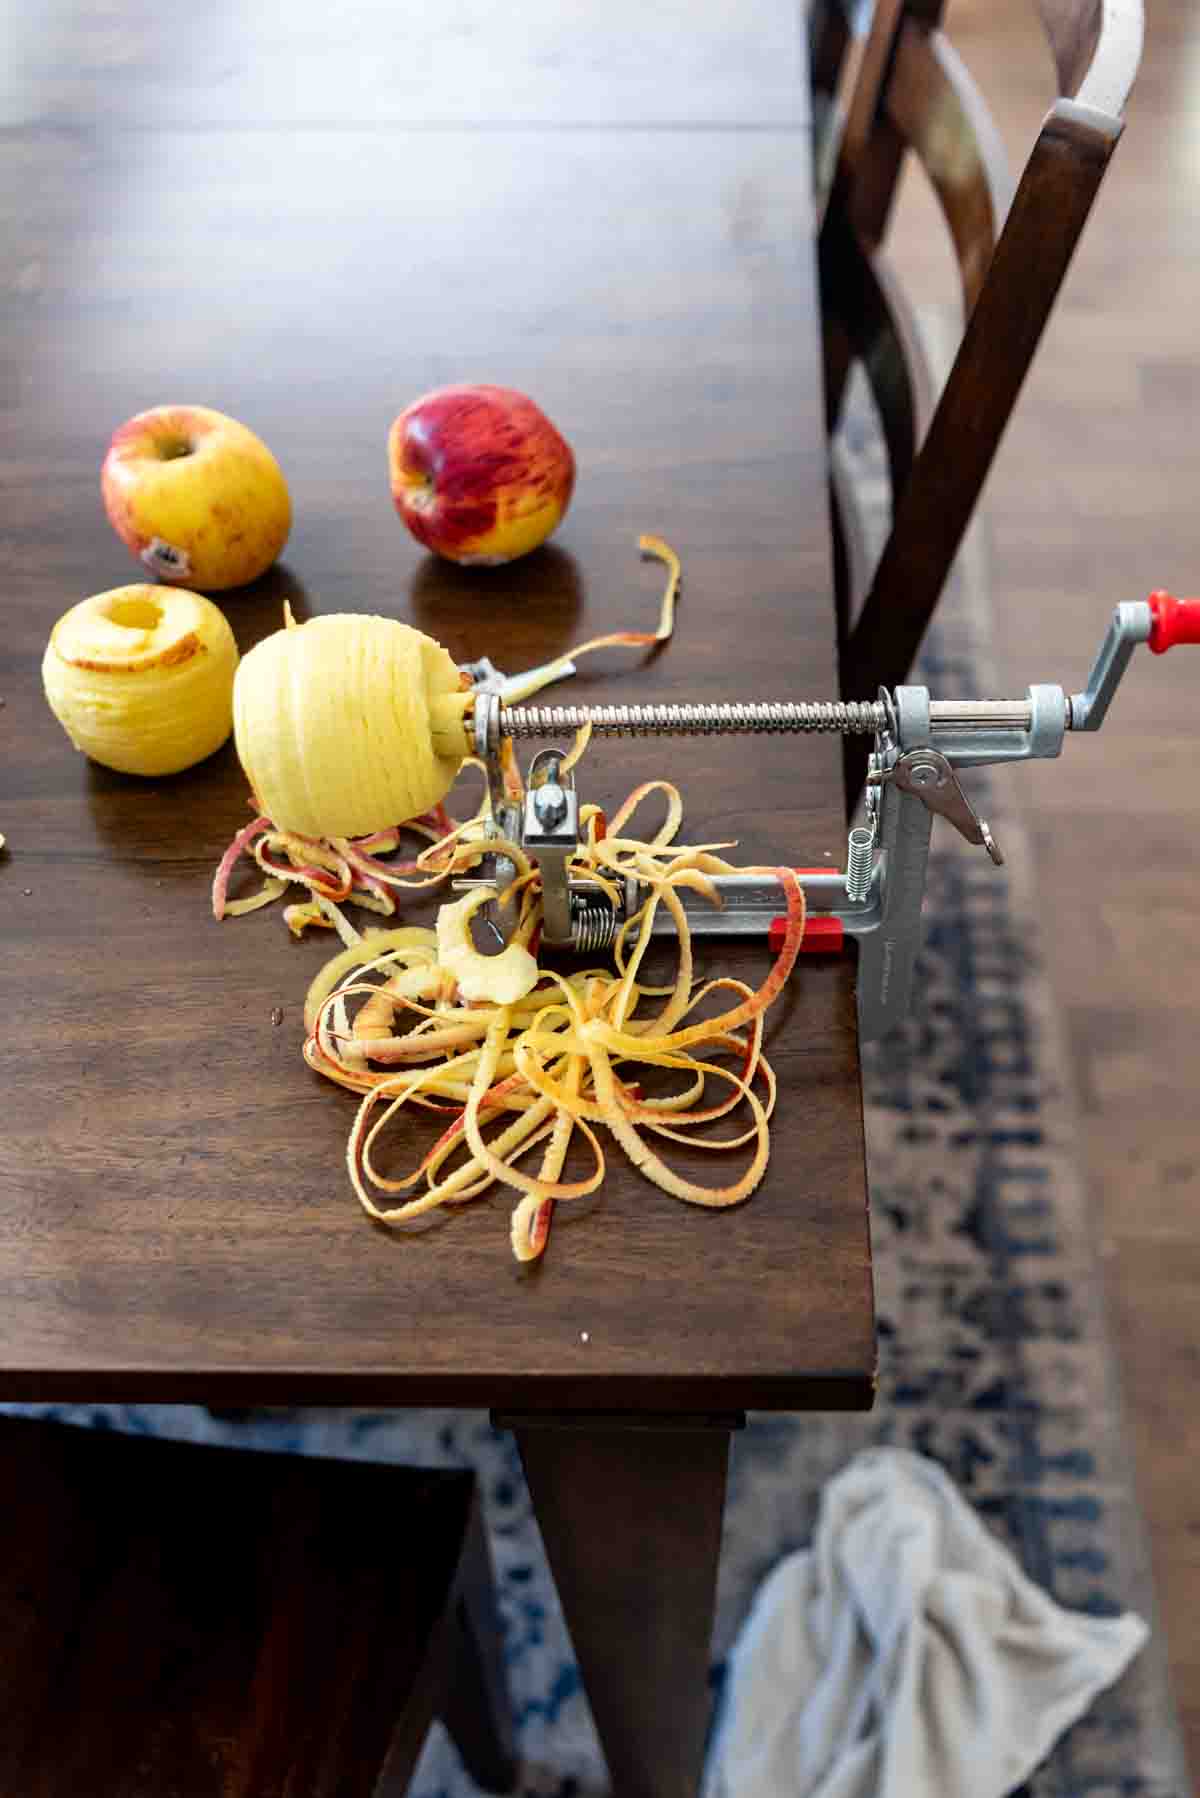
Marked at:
<point>550,832</point>
<point>506,813</point>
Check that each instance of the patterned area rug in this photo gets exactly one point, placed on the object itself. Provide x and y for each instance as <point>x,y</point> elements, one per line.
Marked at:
<point>995,1359</point>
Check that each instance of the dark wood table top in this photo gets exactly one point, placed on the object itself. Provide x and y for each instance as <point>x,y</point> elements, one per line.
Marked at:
<point>306,225</point>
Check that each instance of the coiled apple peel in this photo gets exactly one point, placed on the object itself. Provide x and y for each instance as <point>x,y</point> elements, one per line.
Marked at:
<point>538,1056</point>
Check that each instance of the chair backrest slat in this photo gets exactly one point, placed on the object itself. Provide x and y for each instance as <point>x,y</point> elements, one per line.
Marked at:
<point>934,508</point>
<point>1074,32</point>
<point>942,117</point>
<point>1106,82</point>
<point>913,94</point>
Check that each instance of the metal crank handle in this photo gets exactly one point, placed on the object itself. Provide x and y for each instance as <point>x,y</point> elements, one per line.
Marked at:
<point>1162,621</point>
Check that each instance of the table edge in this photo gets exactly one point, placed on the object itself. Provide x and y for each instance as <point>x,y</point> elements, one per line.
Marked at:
<point>840,1389</point>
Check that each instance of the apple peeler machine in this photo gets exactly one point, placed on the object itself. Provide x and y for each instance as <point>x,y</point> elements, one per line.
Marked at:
<point>920,745</point>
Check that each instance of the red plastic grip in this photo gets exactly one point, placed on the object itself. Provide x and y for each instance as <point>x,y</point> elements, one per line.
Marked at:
<point>823,935</point>
<point>1175,621</point>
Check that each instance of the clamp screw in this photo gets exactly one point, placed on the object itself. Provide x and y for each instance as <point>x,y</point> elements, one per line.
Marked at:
<point>549,804</point>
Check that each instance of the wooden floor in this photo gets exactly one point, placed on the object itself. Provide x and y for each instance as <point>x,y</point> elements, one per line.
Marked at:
<point>1095,498</point>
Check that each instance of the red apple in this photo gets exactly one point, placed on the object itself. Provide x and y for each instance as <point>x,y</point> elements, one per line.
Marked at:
<point>479,474</point>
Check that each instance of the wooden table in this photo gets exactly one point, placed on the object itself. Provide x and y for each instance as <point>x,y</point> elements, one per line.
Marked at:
<point>306,217</point>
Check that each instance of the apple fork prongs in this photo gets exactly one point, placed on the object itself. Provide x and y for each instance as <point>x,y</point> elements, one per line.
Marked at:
<point>513,689</point>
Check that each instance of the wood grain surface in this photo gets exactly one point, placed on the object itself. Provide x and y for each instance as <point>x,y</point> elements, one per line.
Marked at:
<point>635,1564</point>
<point>200,1621</point>
<point>295,227</point>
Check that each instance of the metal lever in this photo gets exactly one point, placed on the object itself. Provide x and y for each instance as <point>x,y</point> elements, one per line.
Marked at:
<point>928,776</point>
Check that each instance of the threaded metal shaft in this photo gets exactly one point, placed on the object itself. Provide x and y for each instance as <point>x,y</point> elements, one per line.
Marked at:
<point>852,717</point>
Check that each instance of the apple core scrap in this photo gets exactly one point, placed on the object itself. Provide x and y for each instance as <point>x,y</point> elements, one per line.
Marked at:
<point>515,1061</point>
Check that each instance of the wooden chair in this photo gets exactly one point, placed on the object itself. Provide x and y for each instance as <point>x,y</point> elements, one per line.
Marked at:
<point>215,1623</point>
<point>912,93</point>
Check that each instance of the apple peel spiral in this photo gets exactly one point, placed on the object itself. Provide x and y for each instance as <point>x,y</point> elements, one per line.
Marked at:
<point>532,1057</point>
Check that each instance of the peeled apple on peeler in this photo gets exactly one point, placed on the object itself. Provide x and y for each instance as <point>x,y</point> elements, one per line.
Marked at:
<point>348,723</point>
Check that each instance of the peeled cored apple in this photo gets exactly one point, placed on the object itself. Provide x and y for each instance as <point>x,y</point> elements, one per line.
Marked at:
<point>196,497</point>
<point>478,473</point>
<point>348,724</point>
<point>500,979</point>
<point>141,678</point>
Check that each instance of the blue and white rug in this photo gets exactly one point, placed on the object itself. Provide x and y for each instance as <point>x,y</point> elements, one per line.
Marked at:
<point>995,1358</point>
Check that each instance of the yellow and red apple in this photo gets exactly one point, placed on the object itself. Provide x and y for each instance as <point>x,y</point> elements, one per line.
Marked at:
<point>478,473</point>
<point>196,497</point>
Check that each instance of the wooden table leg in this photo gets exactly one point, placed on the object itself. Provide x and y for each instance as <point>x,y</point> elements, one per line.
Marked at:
<point>630,1513</point>
<point>476,1709</point>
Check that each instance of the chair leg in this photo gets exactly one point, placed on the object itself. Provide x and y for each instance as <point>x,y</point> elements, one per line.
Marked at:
<point>855,755</point>
<point>476,1708</point>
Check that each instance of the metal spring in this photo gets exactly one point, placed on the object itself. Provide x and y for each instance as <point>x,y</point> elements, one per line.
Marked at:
<point>860,853</point>
<point>861,718</point>
<point>593,927</point>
